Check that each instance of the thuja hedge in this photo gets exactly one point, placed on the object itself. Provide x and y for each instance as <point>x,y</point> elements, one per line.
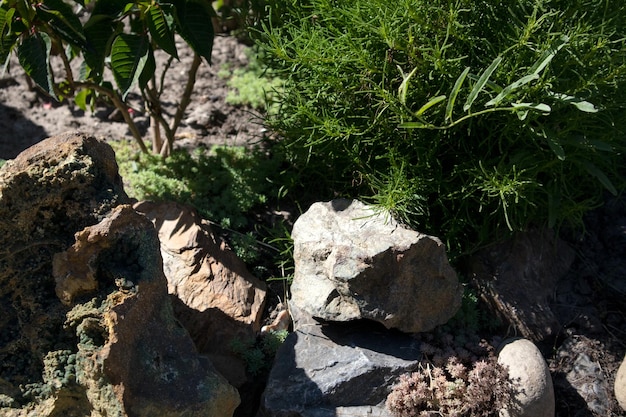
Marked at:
<point>466,119</point>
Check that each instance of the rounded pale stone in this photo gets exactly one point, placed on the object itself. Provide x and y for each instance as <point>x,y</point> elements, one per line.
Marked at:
<point>530,373</point>
<point>620,385</point>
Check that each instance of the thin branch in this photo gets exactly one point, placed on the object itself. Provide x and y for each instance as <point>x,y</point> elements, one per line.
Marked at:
<point>156,114</point>
<point>186,98</point>
<point>167,67</point>
<point>121,106</point>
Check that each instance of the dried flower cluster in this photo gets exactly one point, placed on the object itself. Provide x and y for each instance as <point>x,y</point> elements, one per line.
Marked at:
<point>457,379</point>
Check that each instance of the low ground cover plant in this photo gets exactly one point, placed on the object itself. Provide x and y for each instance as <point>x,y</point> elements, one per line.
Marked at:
<point>468,119</point>
<point>229,186</point>
<point>459,377</point>
<point>252,86</point>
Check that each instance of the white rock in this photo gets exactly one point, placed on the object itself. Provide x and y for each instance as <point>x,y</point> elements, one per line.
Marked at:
<point>529,370</point>
<point>620,385</point>
<point>354,262</point>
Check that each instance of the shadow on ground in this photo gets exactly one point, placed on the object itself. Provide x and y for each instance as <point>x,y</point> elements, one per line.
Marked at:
<point>17,132</point>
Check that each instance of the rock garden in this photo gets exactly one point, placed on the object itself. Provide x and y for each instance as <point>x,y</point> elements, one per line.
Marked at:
<point>313,231</point>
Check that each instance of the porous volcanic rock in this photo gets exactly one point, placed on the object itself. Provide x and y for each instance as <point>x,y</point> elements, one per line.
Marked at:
<point>353,262</point>
<point>47,193</point>
<point>214,295</point>
<point>108,344</point>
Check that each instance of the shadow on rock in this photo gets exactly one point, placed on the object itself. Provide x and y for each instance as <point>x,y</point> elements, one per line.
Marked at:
<point>86,324</point>
<point>337,369</point>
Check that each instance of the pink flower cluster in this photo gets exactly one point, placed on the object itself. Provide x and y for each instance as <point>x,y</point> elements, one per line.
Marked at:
<point>453,380</point>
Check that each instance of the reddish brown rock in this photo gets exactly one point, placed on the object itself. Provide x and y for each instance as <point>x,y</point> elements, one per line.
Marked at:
<point>113,347</point>
<point>131,345</point>
<point>215,297</point>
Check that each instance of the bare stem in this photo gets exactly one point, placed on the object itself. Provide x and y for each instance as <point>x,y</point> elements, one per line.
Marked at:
<point>185,99</point>
<point>121,106</point>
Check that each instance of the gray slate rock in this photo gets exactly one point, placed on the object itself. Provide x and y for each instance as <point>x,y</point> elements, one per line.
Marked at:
<point>337,369</point>
<point>534,261</point>
<point>353,262</point>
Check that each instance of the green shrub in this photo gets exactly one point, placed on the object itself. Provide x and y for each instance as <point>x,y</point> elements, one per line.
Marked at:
<point>258,354</point>
<point>467,119</point>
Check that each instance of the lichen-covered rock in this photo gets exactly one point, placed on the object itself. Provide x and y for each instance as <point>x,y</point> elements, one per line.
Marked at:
<point>129,344</point>
<point>353,262</point>
<point>529,372</point>
<point>215,297</point>
<point>108,344</point>
<point>47,193</point>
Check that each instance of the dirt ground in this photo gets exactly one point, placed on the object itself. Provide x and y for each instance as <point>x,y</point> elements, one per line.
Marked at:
<point>584,356</point>
<point>26,116</point>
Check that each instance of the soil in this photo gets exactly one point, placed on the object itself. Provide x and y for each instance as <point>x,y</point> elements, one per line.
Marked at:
<point>589,300</point>
<point>28,116</point>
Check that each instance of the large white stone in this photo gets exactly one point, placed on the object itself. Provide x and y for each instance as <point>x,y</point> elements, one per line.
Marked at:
<point>353,262</point>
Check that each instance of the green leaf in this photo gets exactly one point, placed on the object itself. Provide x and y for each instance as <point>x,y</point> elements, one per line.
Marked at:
<point>148,70</point>
<point>580,104</point>
<point>511,88</point>
<point>7,38</point>
<point>601,146</point>
<point>553,143</point>
<point>129,54</point>
<point>433,101</point>
<point>60,16</point>
<point>524,108</point>
<point>34,56</point>
<point>80,99</point>
<point>99,32</point>
<point>404,86</point>
<point>26,13</point>
<point>416,125</point>
<point>547,55</point>
<point>601,176</point>
<point>482,80</point>
<point>454,93</point>
<point>544,108</point>
<point>16,24</point>
<point>585,106</point>
<point>193,20</point>
<point>159,24</point>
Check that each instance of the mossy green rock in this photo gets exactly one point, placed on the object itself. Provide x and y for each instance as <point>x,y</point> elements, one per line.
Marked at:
<point>86,327</point>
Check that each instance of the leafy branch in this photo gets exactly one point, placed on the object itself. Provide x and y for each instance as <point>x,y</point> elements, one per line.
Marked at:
<point>504,95</point>
<point>119,36</point>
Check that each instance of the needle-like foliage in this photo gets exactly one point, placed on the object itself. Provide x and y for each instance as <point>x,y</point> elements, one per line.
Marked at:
<point>468,119</point>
